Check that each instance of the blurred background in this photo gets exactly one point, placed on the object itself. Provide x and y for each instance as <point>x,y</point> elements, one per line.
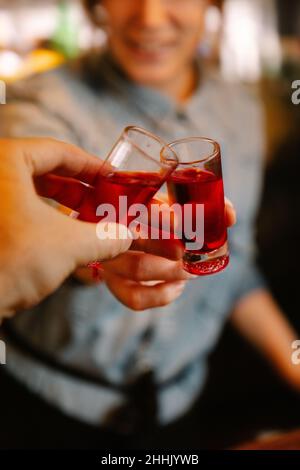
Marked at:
<point>258,43</point>
<point>37,35</point>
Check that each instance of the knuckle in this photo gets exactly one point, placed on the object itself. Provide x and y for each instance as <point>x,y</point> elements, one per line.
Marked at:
<point>166,300</point>
<point>138,268</point>
<point>135,301</point>
<point>169,296</point>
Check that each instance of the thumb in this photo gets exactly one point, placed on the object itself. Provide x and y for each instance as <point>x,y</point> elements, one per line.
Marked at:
<point>97,242</point>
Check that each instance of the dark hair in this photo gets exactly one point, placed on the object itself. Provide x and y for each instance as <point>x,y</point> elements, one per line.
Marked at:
<point>90,4</point>
<point>90,7</point>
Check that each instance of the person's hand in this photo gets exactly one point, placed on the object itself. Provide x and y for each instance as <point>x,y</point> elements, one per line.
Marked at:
<point>230,214</point>
<point>128,275</point>
<point>132,277</point>
<point>40,247</point>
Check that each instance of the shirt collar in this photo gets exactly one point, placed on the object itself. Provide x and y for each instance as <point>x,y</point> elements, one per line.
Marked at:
<point>103,71</point>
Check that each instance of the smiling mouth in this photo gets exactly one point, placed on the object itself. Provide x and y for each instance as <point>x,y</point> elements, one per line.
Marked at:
<point>151,49</point>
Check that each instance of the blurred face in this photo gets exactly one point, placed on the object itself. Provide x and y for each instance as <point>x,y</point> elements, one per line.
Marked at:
<point>154,41</point>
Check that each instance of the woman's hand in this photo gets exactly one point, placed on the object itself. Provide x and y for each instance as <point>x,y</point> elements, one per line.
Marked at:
<point>150,277</point>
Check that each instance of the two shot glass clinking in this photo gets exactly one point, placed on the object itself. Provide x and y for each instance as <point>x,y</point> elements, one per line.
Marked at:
<point>134,171</point>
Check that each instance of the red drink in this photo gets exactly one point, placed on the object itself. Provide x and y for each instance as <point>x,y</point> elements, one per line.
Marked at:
<point>139,187</point>
<point>197,186</point>
<point>136,172</point>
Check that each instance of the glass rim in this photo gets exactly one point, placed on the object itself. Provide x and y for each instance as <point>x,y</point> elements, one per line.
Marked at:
<point>164,146</point>
<point>216,149</point>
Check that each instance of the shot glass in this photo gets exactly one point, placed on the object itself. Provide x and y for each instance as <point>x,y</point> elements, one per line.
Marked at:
<point>130,176</point>
<point>133,169</point>
<point>197,186</point>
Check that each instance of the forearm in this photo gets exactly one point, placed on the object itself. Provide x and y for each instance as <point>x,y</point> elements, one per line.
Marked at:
<point>260,320</point>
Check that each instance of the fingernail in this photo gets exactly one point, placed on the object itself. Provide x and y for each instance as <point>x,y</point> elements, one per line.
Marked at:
<point>229,203</point>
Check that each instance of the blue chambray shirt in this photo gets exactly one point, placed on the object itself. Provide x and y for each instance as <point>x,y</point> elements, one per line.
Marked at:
<point>86,327</point>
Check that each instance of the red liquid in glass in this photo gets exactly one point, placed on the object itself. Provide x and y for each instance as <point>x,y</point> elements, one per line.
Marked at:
<point>139,187</point>
<point>197,186</point>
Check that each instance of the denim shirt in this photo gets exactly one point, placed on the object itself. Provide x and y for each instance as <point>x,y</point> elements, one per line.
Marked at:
<point>85,326</point>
